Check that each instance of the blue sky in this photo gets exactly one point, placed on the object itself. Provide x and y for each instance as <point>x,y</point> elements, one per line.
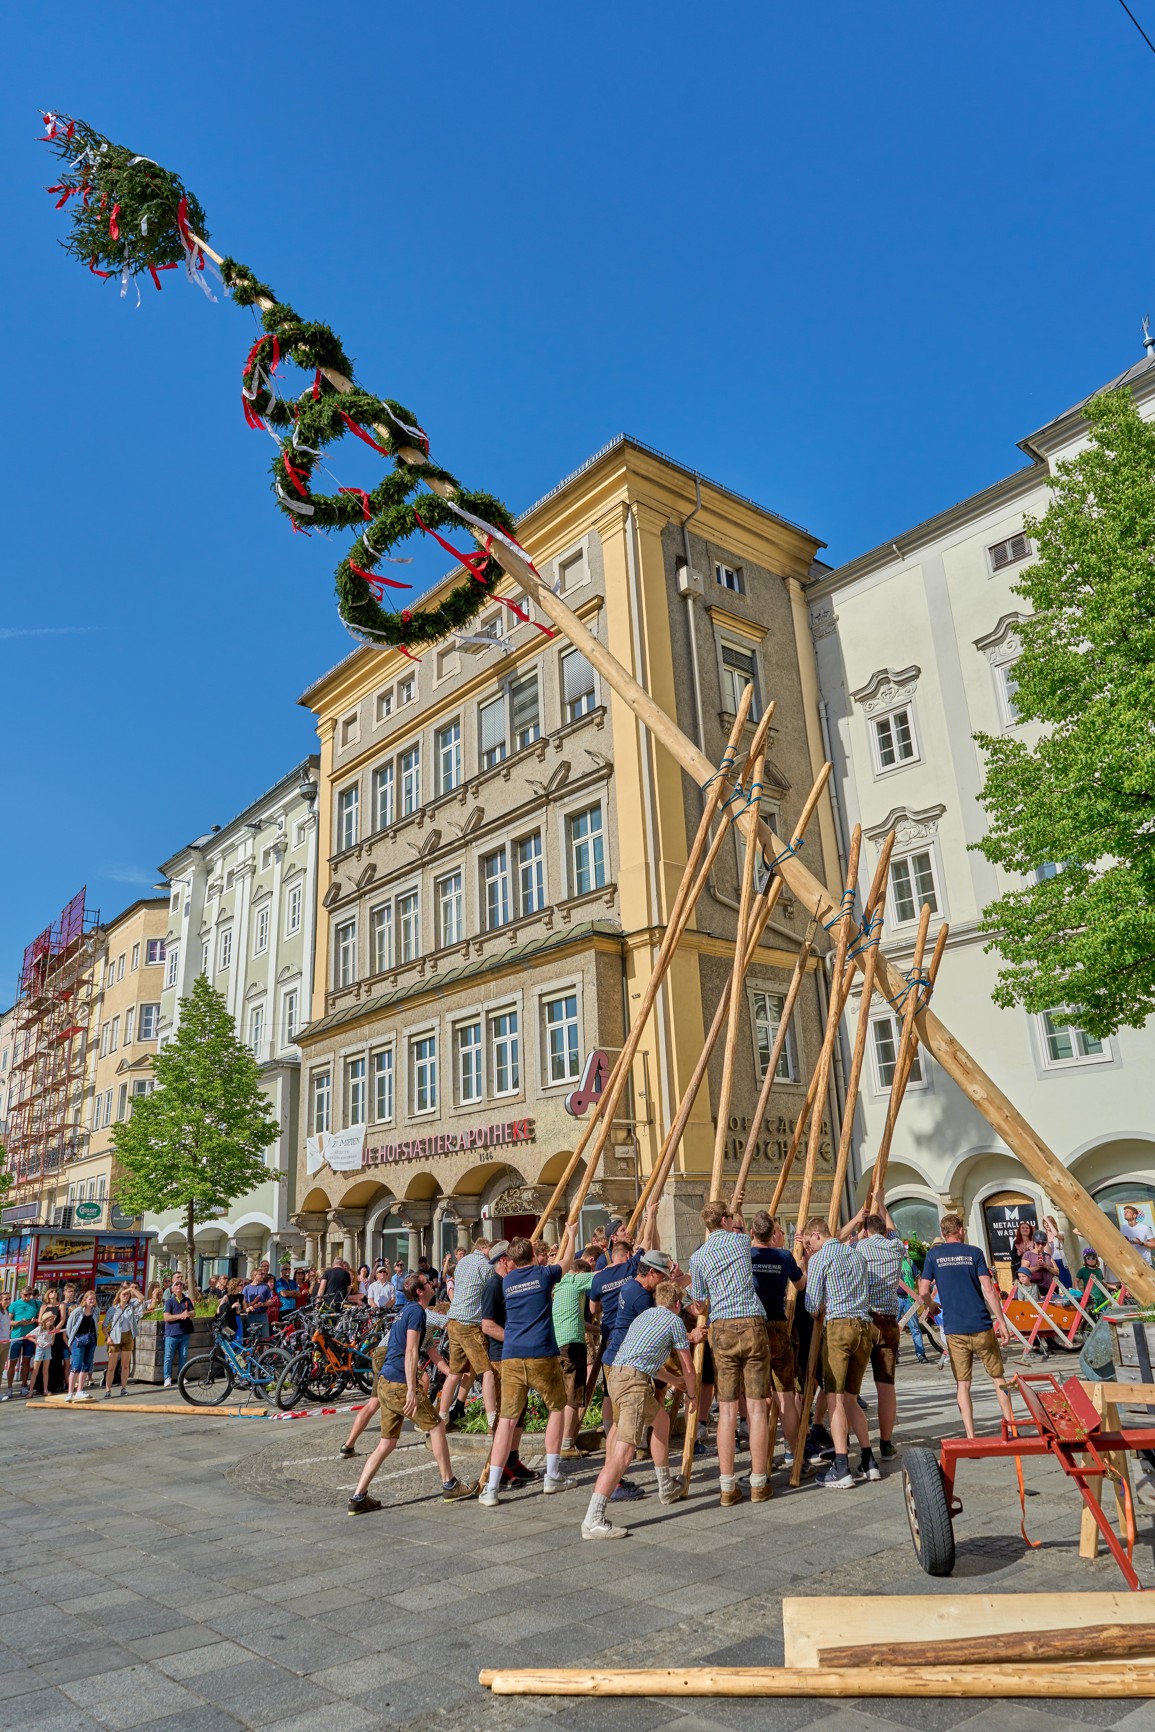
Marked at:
<point>839,257</point>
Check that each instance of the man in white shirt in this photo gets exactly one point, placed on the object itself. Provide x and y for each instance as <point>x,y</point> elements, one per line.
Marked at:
<point>1135,1229</point>
<point>380,1293</point>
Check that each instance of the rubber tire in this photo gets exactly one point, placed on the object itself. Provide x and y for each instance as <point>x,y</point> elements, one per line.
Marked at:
<point>290,1386</point>
<point>206,1381</point>
<point>272,1362</point>
<point>931,1527</point>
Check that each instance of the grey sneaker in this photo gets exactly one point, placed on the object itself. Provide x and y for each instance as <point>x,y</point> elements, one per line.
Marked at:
<point>674,1492</point>
<point>488,1498</point>
<point>559,1482</point>
<point>832,1480</point>
<point>603,1531</point>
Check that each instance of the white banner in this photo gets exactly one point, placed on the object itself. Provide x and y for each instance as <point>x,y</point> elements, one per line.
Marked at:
<point>314,1158</point>
<point>344,1149</point>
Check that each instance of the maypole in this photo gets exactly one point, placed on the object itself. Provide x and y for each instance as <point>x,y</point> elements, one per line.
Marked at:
<point>130,218</point>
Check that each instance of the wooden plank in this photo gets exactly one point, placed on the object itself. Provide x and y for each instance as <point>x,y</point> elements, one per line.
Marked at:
<point>1125,1394</point>
<point>1089,1535</point>
<point>1031,1647</point>
<point>831,1620</point>
<point>1116,1679</point>
<point>118,1407</point>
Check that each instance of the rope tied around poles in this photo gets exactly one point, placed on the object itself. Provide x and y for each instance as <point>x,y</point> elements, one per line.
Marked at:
<point>916,981</point>
<point>871,935</point>
<point>725,768</point>
<point>846,911</point>
<point>791,848</point>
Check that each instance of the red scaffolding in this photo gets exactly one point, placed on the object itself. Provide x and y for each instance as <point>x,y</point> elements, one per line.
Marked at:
<point>55,1000</point>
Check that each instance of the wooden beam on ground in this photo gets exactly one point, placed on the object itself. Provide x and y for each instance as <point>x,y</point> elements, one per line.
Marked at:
<point>60,1405</point>
<point>1030,1647</point>
<point>1117,1680</point>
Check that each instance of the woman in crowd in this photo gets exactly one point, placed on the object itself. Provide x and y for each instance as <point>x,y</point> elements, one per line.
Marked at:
<point>121,1326</point>
<point>155,1295</point>
<point>80,1332</point>
<point>58,1365</point>
<point>362,1282</point>
<point>1024,1236</point>
<point>1056,1249</point>
<point>48,1327</point>
<point>229,1308</point>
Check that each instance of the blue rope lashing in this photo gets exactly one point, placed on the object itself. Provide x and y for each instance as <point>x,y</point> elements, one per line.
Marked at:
<point>725,768</point>
<point>791,848</point>
<point>916,981</point>
<point>871,934</point>
<point>847,908</point>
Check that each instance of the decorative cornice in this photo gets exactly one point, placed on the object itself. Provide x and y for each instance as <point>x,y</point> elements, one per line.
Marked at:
<point>908,825</point>
<point>823,621</point>
<point>887,688</point>
<point>1002,644</point>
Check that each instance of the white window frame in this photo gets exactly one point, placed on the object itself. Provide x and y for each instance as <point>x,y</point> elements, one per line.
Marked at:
<point>731,578</point>
<point>530,869</point>
<point>447,751</point>
<point>422,1067</point>
<point>560,995</point>
<point>407,936</point>
<point>449,903</point>
<point>294,900</point>
<point>409,778</point>
<point>764,1016</point>
<point>224,949</point>
<point>893,1022</point>
<point>135,958</point>
<point>261,929</point>
<point>171,960</point>
<point>893,917</point>
<point>496,900</point>
<point>344,953</point>
<point>504,1050</point>
<point>406,690</point>
<point>489,758</point>
<point>384,786</point>
<point>586,701</point>
<point>154,952</point>
<point>574,844</point>
<point>256,1029</point>
<point>526,737</point>
<point>290,1002</point>
<point>129,1021</point>
<point>348,817</point>
<point>469,1061</point>
<point>888,718</point>
<point>148,1027</point>
<point>1080,1057</point>
<point>1004,674</point>
<point>383,706</point>
<point>382,1085</point>
<point>206,948</point>
<point>731,698</point>
<point>356,1090</point>
<point>381,937</point>
<point>321,1100</point>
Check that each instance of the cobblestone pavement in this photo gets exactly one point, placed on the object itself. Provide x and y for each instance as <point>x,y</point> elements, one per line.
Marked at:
<point>199,1575</point>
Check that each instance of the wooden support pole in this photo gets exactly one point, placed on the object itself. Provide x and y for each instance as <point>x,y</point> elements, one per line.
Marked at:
<point>734,1004</point>
<point>984,1094</point>
<point>1089,1535</point>
<point>1086,1642</point>
<point>1121,1679</point>
<point>737,1195</point>
<point>904,1057</point>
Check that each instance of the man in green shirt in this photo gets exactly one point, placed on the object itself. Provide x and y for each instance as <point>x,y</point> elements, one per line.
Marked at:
<point>569,1327</point>
<point>23,1313</point>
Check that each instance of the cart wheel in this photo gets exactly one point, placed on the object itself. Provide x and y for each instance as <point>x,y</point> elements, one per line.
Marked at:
<point>927,1511</point>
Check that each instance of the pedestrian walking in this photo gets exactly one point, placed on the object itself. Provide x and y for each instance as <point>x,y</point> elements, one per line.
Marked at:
<point>80,1334</point>
<point>972,1315</point>
<point>5,1339</point>
<point>121,1326</point>
<point>837,1285</point>
<point>178,1326</point>
<point>908,1285</point>
<point>722,1289</point>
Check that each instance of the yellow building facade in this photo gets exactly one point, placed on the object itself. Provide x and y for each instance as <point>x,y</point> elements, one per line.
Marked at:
<point>501,845</point>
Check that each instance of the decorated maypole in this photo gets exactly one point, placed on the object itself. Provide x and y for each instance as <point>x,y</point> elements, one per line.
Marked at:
<point>132,220</point>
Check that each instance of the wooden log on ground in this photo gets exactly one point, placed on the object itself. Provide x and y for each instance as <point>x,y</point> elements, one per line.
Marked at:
<point>1031,1647</point>
<point>60,1405</point>
<point>1117,1680</point>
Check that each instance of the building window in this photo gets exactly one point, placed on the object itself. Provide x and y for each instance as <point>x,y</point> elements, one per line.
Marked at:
<point>911,884</point>
<point>154,950</point>
<point>470,1087</point>
<point>109,973</point>
<point>561,1037</point>
<point>105,1036</point>
<point>448,662</point>
<point>350,729</point>
<point>172,958</point>
<point>355,1095</point>
<point>495,888</point>
<point>261,930</point>
<point>423,1074</point>
<point>322,1103</point>
<point>730,577</point>
<point>383,790</point>
<point>525,712</point>
<point>149,1021</point>
<point>289,1018</point>
<point>225,949</point>
<point>504,1055</point>
<point>1007,691</point>
<point>143,1085</point>
<point>1070,1045</point>
<point>884,1032</point>
<point>410,780</point>
<point>345,953</point>
<point>121,1105</point>
<point>268,855</point>
<point>530,875</point>
<point>767,1021</point>
<point>348,817</point>
<point>114,1036</point>
<point>577,686</point>
<point>587,861</point>
<point>893,739</point>
<point>204,955</point>
<point>129,1019</point>
<point>449,910</point>
<point>1009,552</point>
<point>383,1085</point>
<point>120,967</point>
<point>256,1029</point>
<point>739,670</point>
<point>384,705</point>
<point>448,757</point>
<point>381,937</point>
<point>300,828</point>
<point>494,745</point>
<point>135,957</point>
<point>406,690</point>
<point>409,925</point>
<point>293,910</point>
<point>571,572</point>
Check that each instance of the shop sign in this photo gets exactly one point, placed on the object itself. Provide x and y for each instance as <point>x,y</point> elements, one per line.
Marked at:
<point>19,1212</point>
<point>88,1211</point>
<point>451,1143</point>
<point>1002,1222</point>
<point>595,1075</point>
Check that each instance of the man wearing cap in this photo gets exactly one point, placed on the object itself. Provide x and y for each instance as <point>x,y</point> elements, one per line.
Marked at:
<point>467,1344</point>
<point>722,1287</point>
<point>516,1473</point>
<point>657,1332</point>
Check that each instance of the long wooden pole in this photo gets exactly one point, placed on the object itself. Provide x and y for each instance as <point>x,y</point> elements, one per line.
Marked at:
<point>1085,1642</point>
<point>980,1089</point>
<point>734,1005</point>
<point>907,1049</point>
<point>689,890</point>
<point>737,1195</point>
<point>1117,1679</point>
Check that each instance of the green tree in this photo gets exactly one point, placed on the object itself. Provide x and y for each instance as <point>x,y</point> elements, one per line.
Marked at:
<point>1082,797</point>
<point>199,1140</point>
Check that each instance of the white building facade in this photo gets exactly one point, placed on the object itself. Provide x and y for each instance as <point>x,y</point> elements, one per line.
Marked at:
<point>916,646</point>
<point>243,913</point>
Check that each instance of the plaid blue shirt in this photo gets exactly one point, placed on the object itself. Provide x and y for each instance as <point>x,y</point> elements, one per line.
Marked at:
<point>836,1278</point>
<point>469,1282</point>
<point>650,1339</point>
<point>883,1255</point>
<point>721,1272</point>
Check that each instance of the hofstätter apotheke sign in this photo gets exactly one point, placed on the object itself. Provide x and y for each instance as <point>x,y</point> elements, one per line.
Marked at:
<point>451,1143</point>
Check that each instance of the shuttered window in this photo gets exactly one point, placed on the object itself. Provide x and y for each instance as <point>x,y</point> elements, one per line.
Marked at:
<point>577,685</point>
<point>1009,552</point>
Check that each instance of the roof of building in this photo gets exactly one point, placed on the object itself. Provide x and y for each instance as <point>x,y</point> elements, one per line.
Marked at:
<point>141,902</point>
<point>453,976</point>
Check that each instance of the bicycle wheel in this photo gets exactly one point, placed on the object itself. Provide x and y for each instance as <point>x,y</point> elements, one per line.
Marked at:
<point>206,1381</point>
<point>290,1387</point>
<point>264,1370</point>
<point>325,1383</point>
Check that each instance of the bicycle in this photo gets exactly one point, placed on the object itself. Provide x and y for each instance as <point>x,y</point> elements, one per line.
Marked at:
<point>209,1379</point>
<point>327,1365</point>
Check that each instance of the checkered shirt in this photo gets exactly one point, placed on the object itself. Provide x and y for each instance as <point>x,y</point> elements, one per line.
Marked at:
<point>836,1278</point>
<point>650,1339</point>
<point>883,1255</point>
<point>469,1283</point>
<point>569,1307</point>
<point>721,1272</point>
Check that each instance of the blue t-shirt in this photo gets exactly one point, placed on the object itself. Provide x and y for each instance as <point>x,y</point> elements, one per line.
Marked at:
<point>606,1287</point>
<point>529,1311</point>
<point>171,1304</point>
<point>411,1316</point>
<point>287,1297</point>
<point>258,1293</point>
<point>493,1309</point>
<point>633,1299</point>
<point>955,1271</point>
<point>772,1271</point>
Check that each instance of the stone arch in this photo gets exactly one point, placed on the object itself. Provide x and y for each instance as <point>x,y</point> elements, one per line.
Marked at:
<point>423,1187</point>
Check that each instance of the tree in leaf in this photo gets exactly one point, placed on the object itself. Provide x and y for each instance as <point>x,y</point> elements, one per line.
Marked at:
<point>198,1141</point>
<point>1075,810</point>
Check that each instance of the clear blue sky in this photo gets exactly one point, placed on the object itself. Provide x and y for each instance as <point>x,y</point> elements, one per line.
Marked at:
<point>839,257</point>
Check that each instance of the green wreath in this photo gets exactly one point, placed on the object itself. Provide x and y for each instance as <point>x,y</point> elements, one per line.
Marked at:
<point>133,216</point>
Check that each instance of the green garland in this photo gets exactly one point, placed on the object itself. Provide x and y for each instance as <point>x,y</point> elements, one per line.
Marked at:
<point>130,215</point>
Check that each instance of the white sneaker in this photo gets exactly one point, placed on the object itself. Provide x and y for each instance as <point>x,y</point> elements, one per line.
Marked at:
<point>558,1482</point>
<point>872,1473</point>
<point>168,1382</point>
<point>68,1398</point>
<point>488,1498</point>
<point>603,1530</point>
<point>832,1480</point>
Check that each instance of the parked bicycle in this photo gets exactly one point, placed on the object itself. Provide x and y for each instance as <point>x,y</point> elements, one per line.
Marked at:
<point>210,1378</point>
<point>335,1356</point>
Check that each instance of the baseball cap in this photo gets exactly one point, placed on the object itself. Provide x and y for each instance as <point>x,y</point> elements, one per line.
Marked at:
<point>661,1261</point>
<point>498,1251</point>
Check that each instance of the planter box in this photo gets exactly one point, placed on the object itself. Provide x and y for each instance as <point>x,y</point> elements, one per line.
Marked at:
<point>148,1360</point>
